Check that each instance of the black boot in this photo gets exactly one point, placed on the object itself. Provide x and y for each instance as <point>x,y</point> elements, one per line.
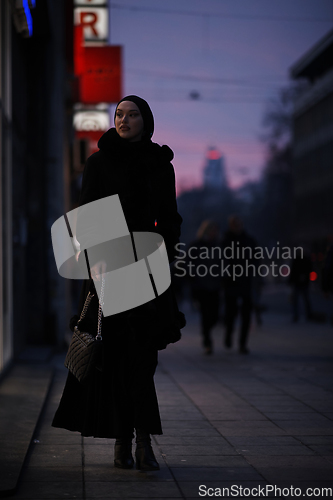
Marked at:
<point>123,458</point>
<point>145,458</point>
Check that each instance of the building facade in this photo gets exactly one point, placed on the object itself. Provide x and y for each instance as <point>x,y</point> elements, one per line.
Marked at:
<point>34,142</point>
<point>6,307</point>
<point>313,148</point>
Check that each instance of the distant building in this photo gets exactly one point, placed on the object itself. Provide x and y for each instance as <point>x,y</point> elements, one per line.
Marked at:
<point>248,193</point>
<point>313,147</point>
<point>214,170</point>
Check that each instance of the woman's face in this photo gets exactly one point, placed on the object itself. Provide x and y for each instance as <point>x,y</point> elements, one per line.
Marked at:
<point>129,121</point>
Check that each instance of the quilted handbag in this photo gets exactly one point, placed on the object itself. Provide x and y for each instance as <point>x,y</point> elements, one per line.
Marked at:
<point>85,350</point>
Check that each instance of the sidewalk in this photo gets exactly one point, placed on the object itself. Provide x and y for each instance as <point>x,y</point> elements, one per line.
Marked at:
<point>228,419</point>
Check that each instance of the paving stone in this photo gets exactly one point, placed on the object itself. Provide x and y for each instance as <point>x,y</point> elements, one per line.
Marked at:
<point>172,413</point>
<point>183,440</point>
<point>51,435</point>
<point>300,462</point>
<point>251,389</point>
<point>309,440</point>
<point>44,490</point>
<point>216,402</point>
<point>328,415</point>
<point>48,415</point>
<point>60,473</point>
<point>215,473</point>
<point>197,449</point>
<point>171,405</point>
<point>186,424</point>
<point>321,406</point>
<point>205,461</point>
<point>137,489</point>
<point>285,408</point>
<point>98,454</point>
<point>98,441</point>
<point>235,414</point>
<point>183,432</point>
<point>203,397</point>
<point>271,450</point>
<point>303,416</point>
<point>171,400</point>
<point>323,449</point>
<point>306,474</point>
<point>307,428</point>
<point>243,428</point>
<point>262,440</point>
<point>268,398</point>
<point>109,473</point>
<point>55,455</point>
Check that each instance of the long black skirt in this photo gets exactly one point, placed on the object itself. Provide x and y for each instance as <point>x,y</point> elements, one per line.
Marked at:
<point>119,398</point>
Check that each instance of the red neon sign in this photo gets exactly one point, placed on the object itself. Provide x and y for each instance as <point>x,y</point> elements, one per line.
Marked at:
<point>99,70</point>
<point>100,80</point>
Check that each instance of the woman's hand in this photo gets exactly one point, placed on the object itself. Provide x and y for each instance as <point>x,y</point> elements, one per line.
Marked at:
<point>97,270</point>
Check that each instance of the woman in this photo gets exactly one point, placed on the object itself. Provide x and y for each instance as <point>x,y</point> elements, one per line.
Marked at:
<point>122,396</point>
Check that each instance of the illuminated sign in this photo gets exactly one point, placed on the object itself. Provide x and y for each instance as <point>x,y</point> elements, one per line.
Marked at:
<point>95,23</point>
<point>89,3</point>
<point>213,154</point>
<point>100,80</point>
<point>22,17</point>
<point>98,70</point>
<point>91,121</point>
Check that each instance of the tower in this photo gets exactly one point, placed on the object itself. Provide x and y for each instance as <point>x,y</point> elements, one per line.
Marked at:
<point>214,171</point>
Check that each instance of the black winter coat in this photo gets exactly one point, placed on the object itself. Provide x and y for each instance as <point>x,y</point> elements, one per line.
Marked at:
<point>143,177</point>
<point>123,395</point>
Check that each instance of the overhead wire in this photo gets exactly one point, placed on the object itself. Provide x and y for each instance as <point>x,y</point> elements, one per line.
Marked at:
<point>233,89</point>
<point>249,87</point>
<point>224,81</point>
<point>249,84</point>
<point>245,17</point>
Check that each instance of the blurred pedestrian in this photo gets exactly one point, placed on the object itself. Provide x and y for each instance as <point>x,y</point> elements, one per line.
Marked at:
<point>299,279</point>
<point>238,250</point>
<point>327,273</point>
<point>122,396</point>
<point>204,261</point>
<point>257,286</point>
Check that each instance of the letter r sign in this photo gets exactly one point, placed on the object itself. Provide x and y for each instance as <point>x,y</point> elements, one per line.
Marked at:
<point>94,21</point>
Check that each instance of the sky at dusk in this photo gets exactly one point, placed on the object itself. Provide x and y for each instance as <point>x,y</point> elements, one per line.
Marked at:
<point>234,54</point>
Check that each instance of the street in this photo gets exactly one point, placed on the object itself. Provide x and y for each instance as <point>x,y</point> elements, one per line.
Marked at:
<point>228,420</point>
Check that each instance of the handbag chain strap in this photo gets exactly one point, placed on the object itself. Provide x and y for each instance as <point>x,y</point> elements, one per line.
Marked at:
<point>101,304</point>
<point>86,305</point>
